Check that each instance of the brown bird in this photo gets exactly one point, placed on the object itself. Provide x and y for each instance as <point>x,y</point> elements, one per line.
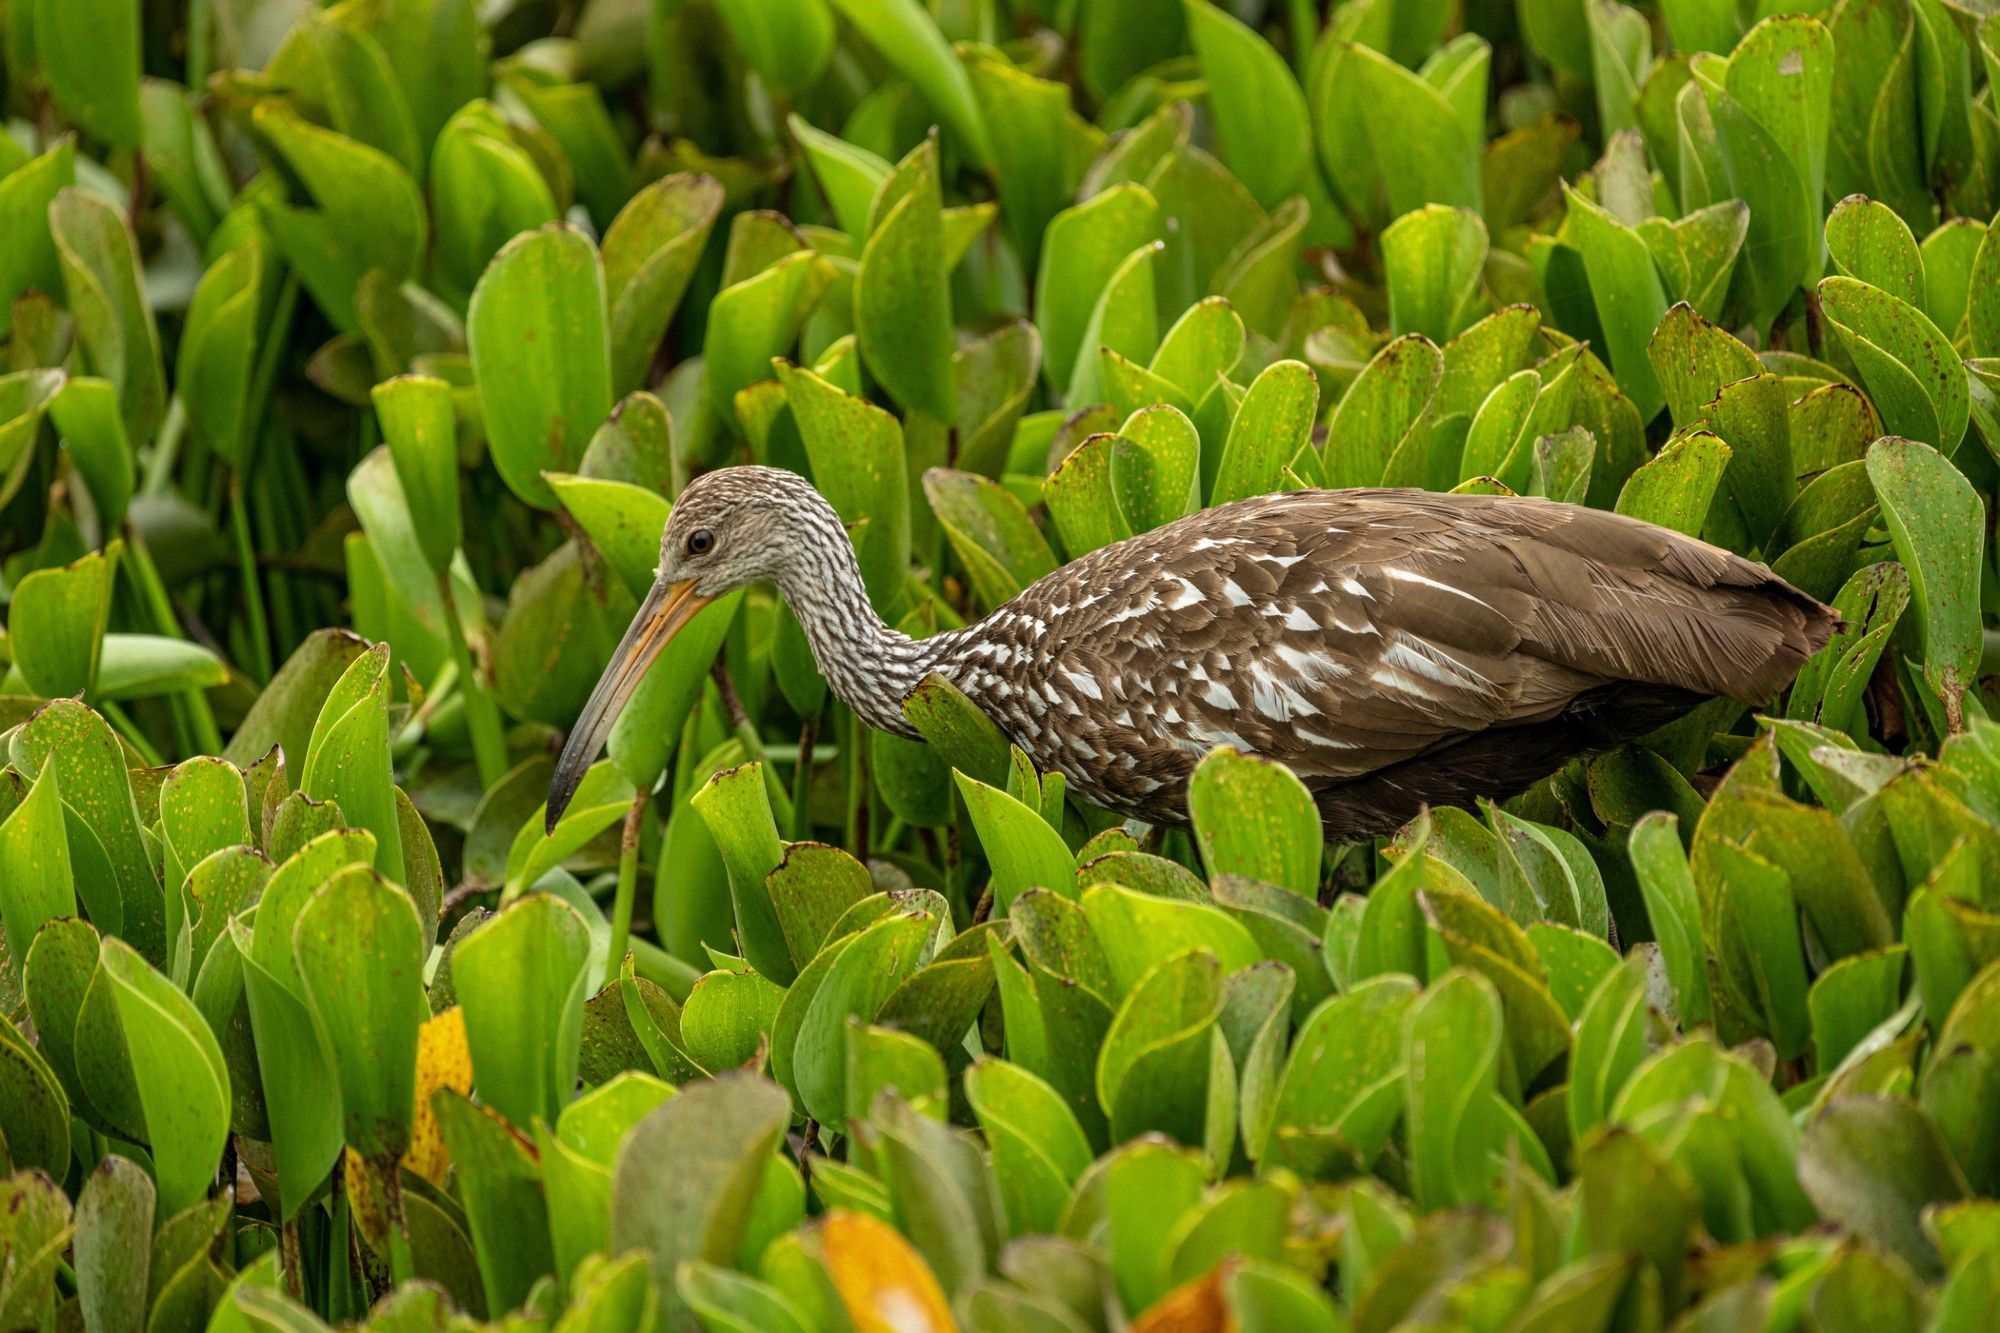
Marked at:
<point>1394,648</point>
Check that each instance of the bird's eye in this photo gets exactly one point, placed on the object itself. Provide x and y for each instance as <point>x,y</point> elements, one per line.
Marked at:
<point>700,541</point>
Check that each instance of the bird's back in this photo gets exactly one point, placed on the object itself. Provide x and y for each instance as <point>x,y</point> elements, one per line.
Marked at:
<point>1348,632</point>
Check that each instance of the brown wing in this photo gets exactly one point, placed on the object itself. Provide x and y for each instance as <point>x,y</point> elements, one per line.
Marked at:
<point>1341,631</point>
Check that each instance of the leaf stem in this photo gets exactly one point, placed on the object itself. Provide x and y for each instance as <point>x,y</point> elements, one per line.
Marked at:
<point>628,883</point>
<point>253,589</point>
<point>482,714</point>
<point>401,1266</point>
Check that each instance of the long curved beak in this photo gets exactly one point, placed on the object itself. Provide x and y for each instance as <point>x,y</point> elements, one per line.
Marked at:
<point>666,608</point>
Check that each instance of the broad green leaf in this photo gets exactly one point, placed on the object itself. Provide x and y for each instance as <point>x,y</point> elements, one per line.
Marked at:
<point>1254,817</point>
<point>183,1084</point>
<point>540,347</point>
<point>1260,114</point>
<point>908,38</point>
<point>650,253</point>
<point>1934,518</point>
<point>1024,851</point>
<point>1433,257</point>
<point>521,979</point>
<point>360,955</point>
<point>106,293</point>
<point>1270,429</point>
<point>88,52</point>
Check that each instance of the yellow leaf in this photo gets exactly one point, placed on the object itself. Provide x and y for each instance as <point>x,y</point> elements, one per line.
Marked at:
<point>364,1196</point>
<point>1196,1306</point>
<point>443,1061</point>
<point>885,1285</point>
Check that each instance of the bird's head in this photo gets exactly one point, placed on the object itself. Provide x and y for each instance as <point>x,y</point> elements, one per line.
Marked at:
<point>729,529</point>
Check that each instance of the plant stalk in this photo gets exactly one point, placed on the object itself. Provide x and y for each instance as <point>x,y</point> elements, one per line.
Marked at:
<point>482,714</point>
<point>628,884</point>
<point>253,587</point>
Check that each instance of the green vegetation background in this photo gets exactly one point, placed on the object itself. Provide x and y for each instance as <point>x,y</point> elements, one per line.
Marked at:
<point>353,357</point>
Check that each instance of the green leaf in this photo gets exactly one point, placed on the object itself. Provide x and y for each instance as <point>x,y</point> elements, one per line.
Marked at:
<point>521,979</point>
<point>107,297</point>
<point>30,260</point>
<point>1136,931</point>
<point>540,348</point>
<point>735,805</point>
<point>56,624</point>
<point>1913,376</point>
<point>1380,432</point>
<point>34,869</point>
<point>1024,851</point>
<point>1270,429</point>
<point>367,215</point>
<point>908,38</point>
<point>858,463</point>
<point>218,351</point>
<point>1676,487</point>
<point>183,1084</point>
<point>89,54</point>
<point>114,1228</point>
<point>1935,519</point>
<point>1452,1061</point>
<point>902,300</point>
<point>1675,913</point>
<point>360,955</point>
<point>787,44</point>
<point>1260,114</point>
<point>1039,1149</point>
<point>1870,244</point>
<point>1625,287</point>
<point>486,189</point>
<point>1874,1164</point>
<point>347,760</point>
<point>1433,257</point>
<point>1254,817</point>
<point>420,426</point>
<point>1082,250</point>
<point>650,253</point>
<point>757,319</point>
<point>990,533</point>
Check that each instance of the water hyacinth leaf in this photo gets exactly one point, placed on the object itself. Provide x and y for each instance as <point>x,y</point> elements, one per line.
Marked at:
<point>1913,376</point>
<point>902,300</point>
<point>360,955</point>
<point>786,44</point>
<point>650,253</point>
<point>1452,1063</point>
<point>183,1084</point>
<point>857,458</point>
<point>1125,321</point>
<point>106,293</point>
<point>419,424</point>
<point>347,759</point>
<point>37,1109</point>
<point>1384,419</point>
<point>1032,157</point>
<point>1024,851</point>
<point>521,980</point>
<point>1274,423</point>
<point>32,262</point>
<point>990,533</point>
<point>540,348</point>
<point>1260,114</point>
<point>1433,257</point>
<point>757,319</point>
<point>909,39</point>
<point>1082,249</point>
<point>848,175</point>
<point>109,859</point>
<point>735,805</point>
<point>1039,1148</point>
<point>1625,287</point>
<point>1934,518</point>
<point>486,189</point>
<point>1254,817</point>
<point>367,211</point>
<point>1342,1085</point>
<point>35,868</point>
<point>1870,244</point>
<point>687,1177</point>
<point>1676,486</point>
<point>218,348</point>
<point>1137,930</point>
<point>114,1227</point>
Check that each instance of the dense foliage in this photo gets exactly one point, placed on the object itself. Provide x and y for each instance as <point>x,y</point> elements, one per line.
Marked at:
<point>353,357</point>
